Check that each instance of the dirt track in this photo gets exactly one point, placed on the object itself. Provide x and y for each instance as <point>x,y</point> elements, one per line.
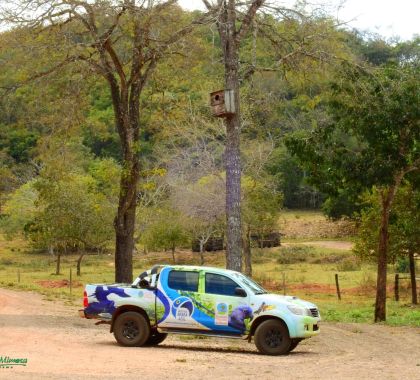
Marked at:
<point>60,345</point>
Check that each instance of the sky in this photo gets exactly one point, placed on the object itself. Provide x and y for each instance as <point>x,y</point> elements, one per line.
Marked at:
<point>389,18</point>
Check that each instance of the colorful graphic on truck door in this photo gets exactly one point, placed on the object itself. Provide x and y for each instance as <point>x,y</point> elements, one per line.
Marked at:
<point>180,292</point>
<point>204,301</point>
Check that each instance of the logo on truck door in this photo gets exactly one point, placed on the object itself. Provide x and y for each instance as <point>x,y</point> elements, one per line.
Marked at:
<point>221,315</point>
<point>182,308</point>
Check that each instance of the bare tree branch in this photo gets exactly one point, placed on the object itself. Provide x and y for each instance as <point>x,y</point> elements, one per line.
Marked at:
<point>248,19</point>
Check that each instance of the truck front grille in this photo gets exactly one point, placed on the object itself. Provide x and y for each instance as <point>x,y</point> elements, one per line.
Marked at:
<point>314,312</point>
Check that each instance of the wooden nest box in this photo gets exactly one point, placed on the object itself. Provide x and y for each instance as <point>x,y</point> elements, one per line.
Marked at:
<point>222,103</point>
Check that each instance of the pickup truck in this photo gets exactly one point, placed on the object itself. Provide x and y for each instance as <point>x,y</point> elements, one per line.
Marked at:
<point>202,301</point>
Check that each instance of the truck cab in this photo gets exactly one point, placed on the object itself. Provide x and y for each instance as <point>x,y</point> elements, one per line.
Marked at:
<point>203,301</point>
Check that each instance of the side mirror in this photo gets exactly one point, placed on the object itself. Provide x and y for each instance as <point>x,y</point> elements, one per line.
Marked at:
<point>240,292</point>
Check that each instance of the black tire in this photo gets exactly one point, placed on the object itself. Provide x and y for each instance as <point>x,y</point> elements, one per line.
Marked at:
<point>294,344</point>
<point>272,338</point>
<point>131,329</point>
<point>155,338</point>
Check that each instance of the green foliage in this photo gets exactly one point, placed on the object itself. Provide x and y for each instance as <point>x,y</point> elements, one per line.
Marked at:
<point>18,143</point>
<point>344,203</point>
<point>404,229</point>
<point>349,264</point>
<point>19,211</point>
<point>71,213</point>
<point>402,265</point>
<point>290,181</point>
<point>375,50</point>
<point>106,173</point>
<point>64,207</point>
<point>261,204</point>
<point>166,230</point>
<point>100,134</point>
<point>375,118</point>
<point>295,254</point>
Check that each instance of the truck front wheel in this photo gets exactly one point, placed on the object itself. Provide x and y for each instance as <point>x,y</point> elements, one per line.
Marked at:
<point>155,338</point>
<point>131,329</point>
<point>272,338</point>
<point>294,344</point>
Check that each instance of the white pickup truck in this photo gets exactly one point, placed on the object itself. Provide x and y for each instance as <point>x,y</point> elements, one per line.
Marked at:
<point>202,301</point>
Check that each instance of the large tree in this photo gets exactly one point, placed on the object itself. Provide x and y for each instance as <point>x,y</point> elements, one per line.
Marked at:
<point>404,229</point>
<point>123,42</point>
<point>373,140</point>
<point>287,34</point>
<point>232,30</point>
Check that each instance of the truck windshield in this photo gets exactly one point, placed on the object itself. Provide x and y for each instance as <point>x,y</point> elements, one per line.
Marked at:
<point>251,284</point>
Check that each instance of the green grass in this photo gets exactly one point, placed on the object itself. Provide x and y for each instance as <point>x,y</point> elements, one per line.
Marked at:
<point>361,311</point>
<point>310,277</point>
<point>307,215</point>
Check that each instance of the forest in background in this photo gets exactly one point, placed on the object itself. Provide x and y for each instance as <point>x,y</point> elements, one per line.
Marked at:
<point>61,156</point>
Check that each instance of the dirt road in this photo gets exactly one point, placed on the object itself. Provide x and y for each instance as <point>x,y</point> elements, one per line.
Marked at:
<point>60,345</point>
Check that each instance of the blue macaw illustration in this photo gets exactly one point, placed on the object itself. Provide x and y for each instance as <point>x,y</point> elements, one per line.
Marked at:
<point>104,305</point>
<point>182,302</point>
<point>238,316</point>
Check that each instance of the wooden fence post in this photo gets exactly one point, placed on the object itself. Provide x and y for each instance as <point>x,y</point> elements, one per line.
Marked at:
<point>284,283</point>
<point>337,285</point>
<point>396,287</point>
<point>71,285</point>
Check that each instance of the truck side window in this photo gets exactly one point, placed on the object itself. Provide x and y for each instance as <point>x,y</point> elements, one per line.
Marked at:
<point>183,280</point>
<point>218,284</point>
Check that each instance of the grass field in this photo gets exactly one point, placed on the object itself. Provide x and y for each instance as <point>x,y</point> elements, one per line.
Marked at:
<point>308,270</point>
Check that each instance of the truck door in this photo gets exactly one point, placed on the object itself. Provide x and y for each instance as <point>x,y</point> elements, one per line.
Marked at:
<point>179,288</point>
<point>226,303</point>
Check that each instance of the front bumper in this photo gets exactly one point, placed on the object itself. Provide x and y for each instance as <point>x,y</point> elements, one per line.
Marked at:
<point>307,327</point>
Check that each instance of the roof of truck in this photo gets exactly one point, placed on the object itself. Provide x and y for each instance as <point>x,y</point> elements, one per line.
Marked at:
<point>200,268</point>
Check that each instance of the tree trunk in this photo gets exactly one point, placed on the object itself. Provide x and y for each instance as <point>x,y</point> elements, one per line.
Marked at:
<point>413,279</point>
<point>124,242</point>
<point>232,152</point>
<point>173,253</point>
<point>127,120</point>
<point>79,263</point>
<point>380,303</point>
<point>247,252</point>
<point>58,262</point>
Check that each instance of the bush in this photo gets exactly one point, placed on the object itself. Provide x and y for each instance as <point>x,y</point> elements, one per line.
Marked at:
<point>333,258</point>
<point>261,256</point>
<point>5,261</point>
<point>402,265</point>
<point>293,255</point>
<point>349,264</point>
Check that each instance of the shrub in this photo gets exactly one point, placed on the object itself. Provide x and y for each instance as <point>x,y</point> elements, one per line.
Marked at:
<point>402,265</point>
<point>5,261</point>
<point>333,258</point>
<point>260,256</point>
<point>293,255</point>
<point>349,264</point>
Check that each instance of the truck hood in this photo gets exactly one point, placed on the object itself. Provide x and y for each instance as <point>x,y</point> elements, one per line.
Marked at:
<point>276,299</point>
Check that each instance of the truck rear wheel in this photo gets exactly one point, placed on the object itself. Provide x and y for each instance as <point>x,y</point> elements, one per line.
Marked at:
<point>131,329</point>
<point>272,338</point>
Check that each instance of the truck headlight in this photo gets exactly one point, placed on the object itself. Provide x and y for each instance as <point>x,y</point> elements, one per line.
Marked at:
<point>298,310</point>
